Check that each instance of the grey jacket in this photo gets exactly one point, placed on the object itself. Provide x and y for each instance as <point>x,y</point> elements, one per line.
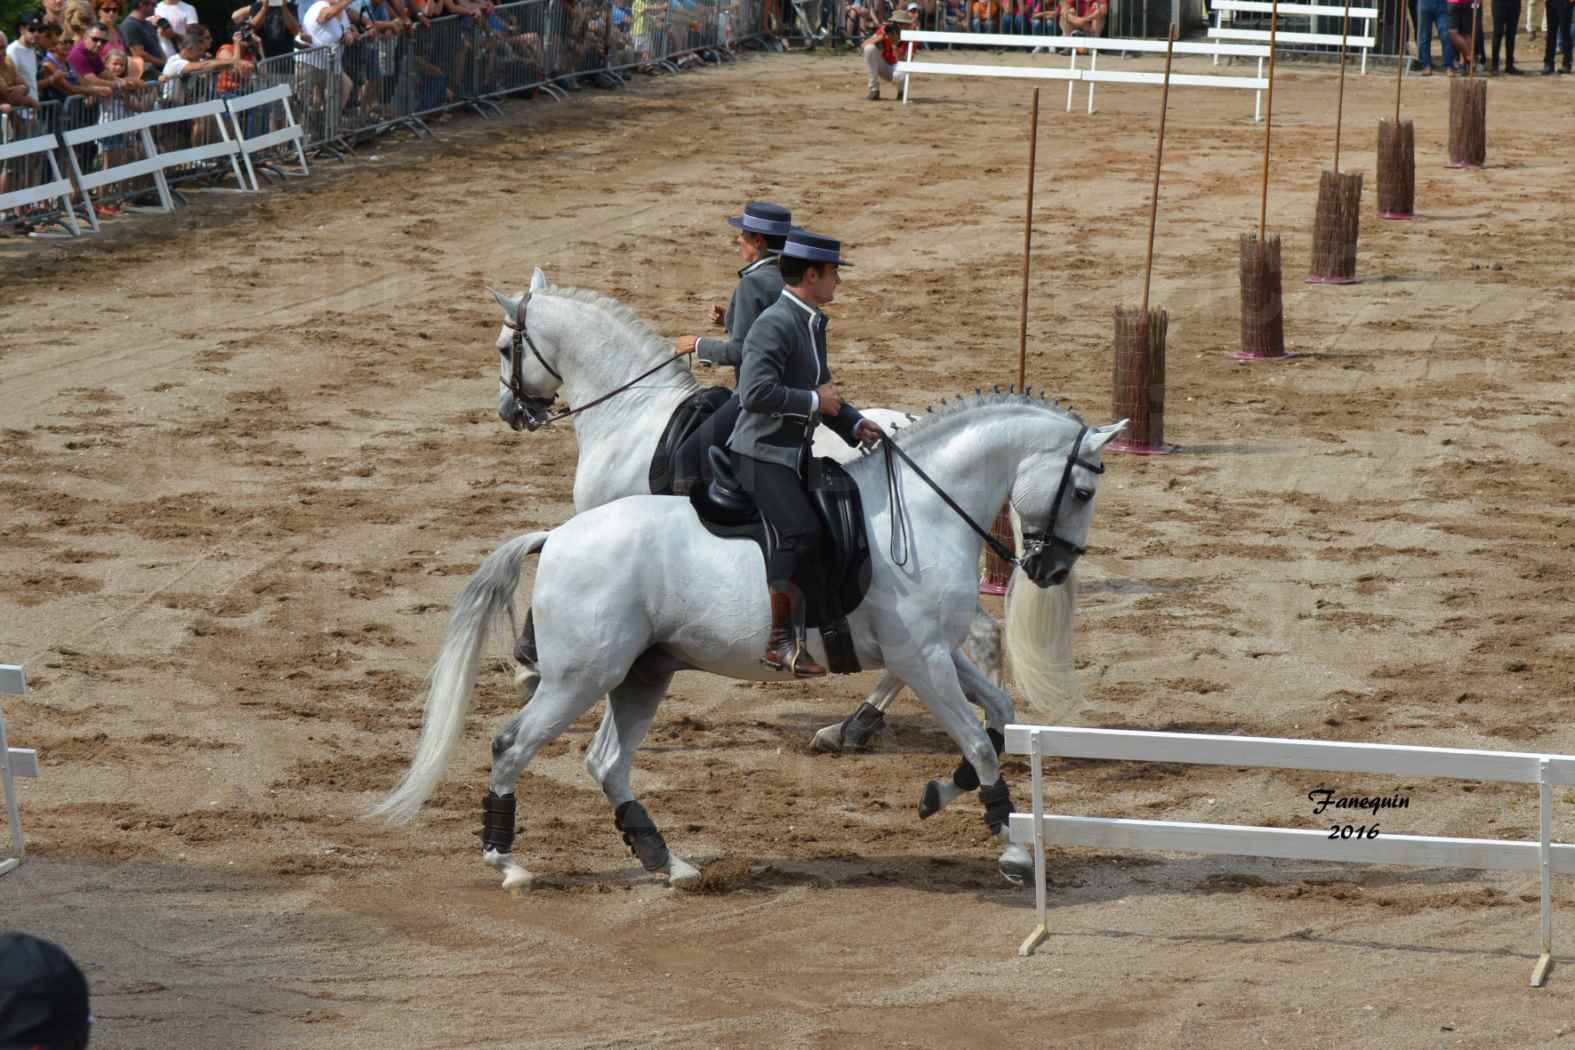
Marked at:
<point>759,285</point>
<point>784,361</point>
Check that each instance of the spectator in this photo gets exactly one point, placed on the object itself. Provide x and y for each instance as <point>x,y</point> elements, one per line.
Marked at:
<point>108,12</point>
<point>983,14</point>
<point>1014,17</point>
<point>142,38</point>
<point>169,40</point>
<point>1042,19</point>
<point>1559,35</point>
<point>1084,17</point>
<point>1506,23</point>
<point>179,14</point>
<point>87,54</point>
<point>189,61</point>
<point>22,53</point>
<point>1433,16</point>
<point>275,24</point>
<point>880,53</point>
<point>56,79</point>
<point>13,89</point>
<point>1460,14</point>
<point>43,996</point>
<point>323,24</point>
<point>382,27</point>
<point>242,54</point>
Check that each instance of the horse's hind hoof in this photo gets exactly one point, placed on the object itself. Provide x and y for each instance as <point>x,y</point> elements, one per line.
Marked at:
<point>681,875</point>
<point>931,802</point>
<point>515,878</point>
<point>1017,867</point>
<point>828,740</point>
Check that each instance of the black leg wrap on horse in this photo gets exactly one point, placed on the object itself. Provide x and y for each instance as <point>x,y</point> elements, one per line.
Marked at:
<point>525,650</point>
<point>997,800</point>
<point>998,741</point>
<point>641,836</point>
<point>966,777</point>
<point>862,724</point>
<point>497,822</point>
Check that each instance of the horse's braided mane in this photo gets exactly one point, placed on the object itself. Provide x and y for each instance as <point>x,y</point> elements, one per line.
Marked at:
<point>649,338</point>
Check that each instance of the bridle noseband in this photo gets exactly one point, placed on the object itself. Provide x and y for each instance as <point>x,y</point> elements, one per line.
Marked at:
<point>1035,543</point>
<point>521,339</point>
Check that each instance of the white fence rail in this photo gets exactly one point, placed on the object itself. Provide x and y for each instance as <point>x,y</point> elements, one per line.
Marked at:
<point>1363,39</point>
<point>1038,828</point>
<point>14,762</point>
<point>1093,74</point>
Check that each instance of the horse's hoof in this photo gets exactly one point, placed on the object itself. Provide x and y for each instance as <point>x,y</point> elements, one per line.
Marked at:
<point>931,802</point>
<point>828,740</point>
<point>681,875</point>
<point>1017,867</point>
<point>515,878</point>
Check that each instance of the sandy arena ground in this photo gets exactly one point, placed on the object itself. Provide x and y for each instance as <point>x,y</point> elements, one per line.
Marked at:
<point>249,456</point>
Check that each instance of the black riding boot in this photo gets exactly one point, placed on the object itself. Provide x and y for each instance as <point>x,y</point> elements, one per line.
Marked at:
<point>785,648</point>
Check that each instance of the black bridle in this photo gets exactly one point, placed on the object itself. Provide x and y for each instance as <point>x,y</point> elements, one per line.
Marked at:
<point>528,403</point>
<point>1034,543</point>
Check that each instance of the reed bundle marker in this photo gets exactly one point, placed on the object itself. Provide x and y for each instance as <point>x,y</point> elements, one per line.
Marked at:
<point>1468,113</point>
<point>1338,221</point>
<point>1262,300</point>
<point>1397,153</point>
<point>1140,334</point>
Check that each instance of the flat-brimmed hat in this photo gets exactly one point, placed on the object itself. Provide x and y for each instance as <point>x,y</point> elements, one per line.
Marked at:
<point>903,18</point>
<point>43,996</point>
<point>773,220</point>
<point>812,247</point>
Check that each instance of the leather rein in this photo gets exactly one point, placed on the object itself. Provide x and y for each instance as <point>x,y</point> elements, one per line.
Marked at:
<point>1032,542</point>
<point>521,339</point>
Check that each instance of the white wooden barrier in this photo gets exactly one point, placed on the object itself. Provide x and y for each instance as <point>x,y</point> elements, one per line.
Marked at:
<point>153,163</point>
<point>1366,15</point>
<point>291,132</point>
<point>14,762</point>
<point>1091,75</point>
<point>1542,855</point>
<point>57,187</point>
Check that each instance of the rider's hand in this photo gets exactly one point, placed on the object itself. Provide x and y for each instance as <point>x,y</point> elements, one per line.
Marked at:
<point>686,344</point>
<point>830,399</point>
<point>717,313</point>
<point>868,432</point>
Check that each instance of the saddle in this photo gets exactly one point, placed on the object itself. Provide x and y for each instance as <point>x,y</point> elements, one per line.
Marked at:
<point>842,569</point>
<point>685,420</point>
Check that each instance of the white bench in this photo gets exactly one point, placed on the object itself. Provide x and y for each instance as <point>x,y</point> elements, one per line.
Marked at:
<point>1540,855</point>
<point>1366,15</point>
<point>14,762</point>
<point>1093,74</point>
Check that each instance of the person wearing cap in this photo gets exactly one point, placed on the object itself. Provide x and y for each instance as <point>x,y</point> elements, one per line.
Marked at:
<point>786,390</point>
<point>43,996</point>
<point>880,53</point>
<point>762,230</point>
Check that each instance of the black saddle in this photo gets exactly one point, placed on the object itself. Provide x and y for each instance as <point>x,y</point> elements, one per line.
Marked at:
<point>842,560</point>
<point>685,420</point>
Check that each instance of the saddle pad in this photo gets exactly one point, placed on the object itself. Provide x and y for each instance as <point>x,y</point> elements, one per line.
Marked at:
<point>686,418</point>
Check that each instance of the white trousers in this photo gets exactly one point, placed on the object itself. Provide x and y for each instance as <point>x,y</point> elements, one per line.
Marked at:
<point>879,68</point>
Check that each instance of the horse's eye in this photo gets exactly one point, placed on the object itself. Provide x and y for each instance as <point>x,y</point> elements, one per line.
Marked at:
<point>1084,495</point>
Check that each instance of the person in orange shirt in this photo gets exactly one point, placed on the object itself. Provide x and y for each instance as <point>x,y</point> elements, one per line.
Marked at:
<point>983,15</point>
<point>1084,17</point>
<point>880,52</point>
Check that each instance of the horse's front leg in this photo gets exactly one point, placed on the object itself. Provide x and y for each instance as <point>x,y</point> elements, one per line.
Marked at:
<point>932,674</point>
<point>997,706</point>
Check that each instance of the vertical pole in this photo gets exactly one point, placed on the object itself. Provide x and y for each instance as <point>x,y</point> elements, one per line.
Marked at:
<point>7,783</point>
<point>1339,109</point>
<point>1471,53</point>
<point>1539,975</point>
<point>1093,63</point>
<point>1071,81</point>
<point>908,76</point>
<point>1042,931</point>
<point>1268,126</point>
<point>1028,240</point>
<point>1400,66</point>
<point>1159,157</point>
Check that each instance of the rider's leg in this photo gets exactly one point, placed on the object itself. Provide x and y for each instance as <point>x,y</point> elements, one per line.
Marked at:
<point>794,532</point>
<point>690,465</point>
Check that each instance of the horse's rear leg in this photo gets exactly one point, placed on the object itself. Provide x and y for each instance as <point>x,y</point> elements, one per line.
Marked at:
<point>557,703</point>
<point>631,706</point>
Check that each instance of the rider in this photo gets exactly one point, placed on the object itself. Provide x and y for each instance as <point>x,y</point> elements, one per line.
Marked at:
<point>785,389</point>
<point>762,229</point>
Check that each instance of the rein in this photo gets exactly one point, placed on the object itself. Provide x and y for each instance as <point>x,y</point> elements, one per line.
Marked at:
<point>522,339</point>
<point>1032,542</point>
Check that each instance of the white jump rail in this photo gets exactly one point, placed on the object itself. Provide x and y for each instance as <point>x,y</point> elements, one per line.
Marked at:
<point>1542,855</point>
<point>1091,75</point>
<point>14,762</point>
<point>1366,15</point>
<point>58,187</point>
<point>291,132</point>
<point>153,163</point>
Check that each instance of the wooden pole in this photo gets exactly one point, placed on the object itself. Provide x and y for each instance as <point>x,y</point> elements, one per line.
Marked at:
<point>1400,66</point>
<point>1268,125</point>
<point>1028,240</point>
<point>1159,156</point>
<point>1339,109</point>
<point>1471,54</point>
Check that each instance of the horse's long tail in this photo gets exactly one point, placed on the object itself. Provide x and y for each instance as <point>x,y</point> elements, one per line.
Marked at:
<point>1039,641</point>
<point>489,595</point>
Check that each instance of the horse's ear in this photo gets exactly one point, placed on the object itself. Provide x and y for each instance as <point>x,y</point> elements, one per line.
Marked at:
<point>1099,437</point>
<point>509,305</point>
<point>538,280</point>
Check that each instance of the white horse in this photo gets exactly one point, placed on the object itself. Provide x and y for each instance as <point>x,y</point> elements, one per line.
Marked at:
<point>584,345</point>
<point>628,593</point>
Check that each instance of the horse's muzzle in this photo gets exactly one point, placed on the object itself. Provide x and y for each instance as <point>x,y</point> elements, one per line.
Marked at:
<point>1048,564</point>
<point>530,413</point>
